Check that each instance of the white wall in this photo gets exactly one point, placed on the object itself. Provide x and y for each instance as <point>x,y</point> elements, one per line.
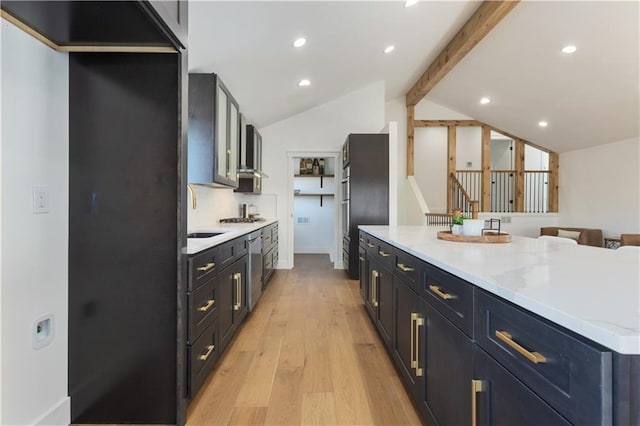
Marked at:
<point>600,187</point>
<point>323,128</point>
<point>534,159</point>
<point>34,146</point>
<point>431,152</point>
<point>469,148</point>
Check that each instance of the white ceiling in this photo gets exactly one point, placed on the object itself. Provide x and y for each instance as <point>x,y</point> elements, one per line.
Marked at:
<point>589,98</point>
<point>249,45</point>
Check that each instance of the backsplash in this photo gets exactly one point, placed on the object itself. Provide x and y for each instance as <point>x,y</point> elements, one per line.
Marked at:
<point>214,204</point>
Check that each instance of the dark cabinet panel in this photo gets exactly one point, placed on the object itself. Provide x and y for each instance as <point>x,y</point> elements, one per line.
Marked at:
<point>213,144</point>
<point>202,356</point>
<point>364,282</point>
<point>380,300</point>
<point>572,375</point>
<point>384,287</point>
<point>500,399</point>
<point>269,251</point>
<point>366,162</point>
<point>232,295</point>
<point>73,23</point>
<point>448,361</point>
<point>408,337</point>
<point>124,265</point>
<point>452,296</point>
<point>226,301</point>
<point>174,15</point>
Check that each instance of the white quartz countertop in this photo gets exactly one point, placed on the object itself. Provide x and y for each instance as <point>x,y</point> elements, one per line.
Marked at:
<point>229,232</point>
<point>594,292</point>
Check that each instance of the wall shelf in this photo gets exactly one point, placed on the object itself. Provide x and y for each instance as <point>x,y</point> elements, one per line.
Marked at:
<point>315,176</point>
<point>313,194</point>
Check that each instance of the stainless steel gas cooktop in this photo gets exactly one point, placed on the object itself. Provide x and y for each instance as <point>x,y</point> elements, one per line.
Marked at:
<point>241,220</point>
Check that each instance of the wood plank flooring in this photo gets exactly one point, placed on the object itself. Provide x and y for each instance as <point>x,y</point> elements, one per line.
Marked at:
<point>307,355</point>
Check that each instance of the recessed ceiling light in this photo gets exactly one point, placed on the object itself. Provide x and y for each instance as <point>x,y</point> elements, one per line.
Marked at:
<point>485,101</point>
<point>304,83</point>
<point>543,124</point>
<point>389,49</point>
<point>410,3</point>
<point>569,49</point>
<point>299,42</point>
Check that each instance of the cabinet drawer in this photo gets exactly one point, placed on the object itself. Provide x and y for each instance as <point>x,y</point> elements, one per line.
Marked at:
<point>202,308</point>
<point>227,253</point>
<point>380,250</point>
<point>202,267</point>
<point>450,295</point>
<point>362,239</point>
<point>409,268</point>
<point>572,375</point>
<point>202,356</point>
<point>242,246</point>
<point>266,238</point>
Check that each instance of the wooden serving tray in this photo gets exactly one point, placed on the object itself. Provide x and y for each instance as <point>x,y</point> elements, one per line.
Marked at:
<point>488,237</point>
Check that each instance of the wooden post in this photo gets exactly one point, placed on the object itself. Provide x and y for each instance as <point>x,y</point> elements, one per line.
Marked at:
<point>519,163</point>
<point>410,130</point>
<point>554,163</point>
<point>451,164</point>
<point>485,205</point>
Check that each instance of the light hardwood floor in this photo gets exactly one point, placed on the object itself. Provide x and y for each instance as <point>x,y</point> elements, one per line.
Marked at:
<point>307,355</point>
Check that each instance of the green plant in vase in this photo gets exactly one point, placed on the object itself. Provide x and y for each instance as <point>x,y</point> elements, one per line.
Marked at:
<point>456,223</point>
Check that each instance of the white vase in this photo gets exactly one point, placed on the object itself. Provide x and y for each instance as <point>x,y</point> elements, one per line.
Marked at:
<point>456,229</point>
<point>472,227</point>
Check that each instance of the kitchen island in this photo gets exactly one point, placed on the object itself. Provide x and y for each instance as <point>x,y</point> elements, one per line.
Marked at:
<point>557,326</point>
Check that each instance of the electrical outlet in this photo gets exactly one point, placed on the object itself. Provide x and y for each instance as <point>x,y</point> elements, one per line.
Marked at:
<point>505,219</point>
<point>43,331</point>
<point>40,199</point>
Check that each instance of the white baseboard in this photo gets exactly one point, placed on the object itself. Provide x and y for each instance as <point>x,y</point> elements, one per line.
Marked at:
<point>59,415</point>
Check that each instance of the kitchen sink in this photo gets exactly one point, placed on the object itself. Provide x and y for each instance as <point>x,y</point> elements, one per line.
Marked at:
<point>203,234</point>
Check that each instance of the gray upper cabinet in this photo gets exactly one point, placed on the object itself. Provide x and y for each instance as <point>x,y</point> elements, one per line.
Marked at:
<point>214,134</point>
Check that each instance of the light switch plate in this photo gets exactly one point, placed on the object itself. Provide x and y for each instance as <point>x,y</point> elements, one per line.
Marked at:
<point>40,199</point>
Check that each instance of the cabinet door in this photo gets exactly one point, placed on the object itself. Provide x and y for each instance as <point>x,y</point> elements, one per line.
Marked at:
<point>371,302</point>
<point>498,398</point>
<point>226,293</point>
<point>364,277</point>
<point>234,142</point>
<point>448,367</point>
<point>240,289</point>
<point>408,334</point>
<point>222,145</point>
<point>384,317</point>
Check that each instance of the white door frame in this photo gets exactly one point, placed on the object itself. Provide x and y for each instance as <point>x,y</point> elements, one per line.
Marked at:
<point>337,217</point>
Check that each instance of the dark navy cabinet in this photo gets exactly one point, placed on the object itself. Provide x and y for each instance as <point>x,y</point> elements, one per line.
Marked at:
<point>448,364</point>
<point>408,336</point>
<point>469,357</point>
<point>214,132</point>
<point>500,399</point>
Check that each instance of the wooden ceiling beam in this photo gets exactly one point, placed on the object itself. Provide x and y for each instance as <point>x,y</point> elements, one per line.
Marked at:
<point>485,18</point>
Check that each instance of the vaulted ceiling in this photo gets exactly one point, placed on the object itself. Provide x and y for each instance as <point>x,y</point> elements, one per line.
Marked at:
<point>588,98</point>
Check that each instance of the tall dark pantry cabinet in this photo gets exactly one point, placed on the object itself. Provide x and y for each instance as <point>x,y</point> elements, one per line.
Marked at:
<point>365,191</point>
<point>127,214</point>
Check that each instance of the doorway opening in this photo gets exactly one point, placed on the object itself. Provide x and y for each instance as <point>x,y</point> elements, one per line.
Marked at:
<point>313,207</point>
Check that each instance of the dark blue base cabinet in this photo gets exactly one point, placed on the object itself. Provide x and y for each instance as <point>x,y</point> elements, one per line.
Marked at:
<point>467,357</point>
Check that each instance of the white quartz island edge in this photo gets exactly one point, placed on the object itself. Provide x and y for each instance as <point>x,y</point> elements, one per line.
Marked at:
<point>594,292</point>
<point>229,232</point>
